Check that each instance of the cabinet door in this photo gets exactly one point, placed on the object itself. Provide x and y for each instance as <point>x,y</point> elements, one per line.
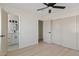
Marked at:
<point>69,32</point>
<point>57,31</point>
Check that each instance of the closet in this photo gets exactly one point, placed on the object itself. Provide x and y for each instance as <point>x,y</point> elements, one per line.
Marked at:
<point>64,32</point>
<point>69,32</point>
<point>57,31</point>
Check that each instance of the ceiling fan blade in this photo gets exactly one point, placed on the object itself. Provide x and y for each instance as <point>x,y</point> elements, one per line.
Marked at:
<point>60,7</point>
<point>51,4</point>
<point>45,4</point>
<point>41,8</point>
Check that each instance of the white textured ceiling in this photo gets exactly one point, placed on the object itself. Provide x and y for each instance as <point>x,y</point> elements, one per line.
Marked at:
<point>32,7</point>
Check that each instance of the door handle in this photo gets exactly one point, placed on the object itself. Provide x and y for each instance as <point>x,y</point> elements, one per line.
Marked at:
<point>2,35</point>
<point>49,32</point>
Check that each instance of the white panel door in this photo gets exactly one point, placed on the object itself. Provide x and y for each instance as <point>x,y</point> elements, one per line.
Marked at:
<point>0,29</point>
<point>57,31</point>
<point>69,32</point>
<point>3,32</point>
<point>77,27</point>
<point>47,31</point>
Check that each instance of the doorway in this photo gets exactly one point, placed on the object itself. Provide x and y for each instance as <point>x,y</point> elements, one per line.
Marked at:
<point>13,32</point>
<point>40,31</point>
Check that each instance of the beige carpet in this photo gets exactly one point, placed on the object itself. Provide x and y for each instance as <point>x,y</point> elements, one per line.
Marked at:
<point>43,49</point>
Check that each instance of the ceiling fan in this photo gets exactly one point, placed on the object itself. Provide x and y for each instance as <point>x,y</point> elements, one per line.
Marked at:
<point>51,5</point>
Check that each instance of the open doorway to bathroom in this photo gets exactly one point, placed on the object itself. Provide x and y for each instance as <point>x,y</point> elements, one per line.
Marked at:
<point>40,31</point>
<point>13,32</point>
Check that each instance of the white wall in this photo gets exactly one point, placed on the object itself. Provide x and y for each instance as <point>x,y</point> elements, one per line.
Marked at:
<point>28,33</point>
